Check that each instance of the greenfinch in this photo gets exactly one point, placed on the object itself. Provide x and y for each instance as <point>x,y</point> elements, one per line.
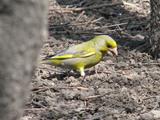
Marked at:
<point>84,55</point>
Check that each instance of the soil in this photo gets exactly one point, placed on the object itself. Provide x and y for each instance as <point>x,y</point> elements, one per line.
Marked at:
<point>121,88</point>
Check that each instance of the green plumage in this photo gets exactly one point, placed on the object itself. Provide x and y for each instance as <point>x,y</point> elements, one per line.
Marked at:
<point>83,55</point>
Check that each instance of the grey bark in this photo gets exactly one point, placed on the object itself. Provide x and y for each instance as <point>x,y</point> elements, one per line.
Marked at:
<point>154,40</point>
<point>22,28</point>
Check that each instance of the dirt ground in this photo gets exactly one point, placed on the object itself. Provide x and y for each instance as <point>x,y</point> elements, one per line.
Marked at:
<point>124,88</point>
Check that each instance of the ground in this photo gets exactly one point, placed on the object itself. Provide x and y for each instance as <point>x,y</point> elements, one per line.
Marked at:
<point>121,88</point>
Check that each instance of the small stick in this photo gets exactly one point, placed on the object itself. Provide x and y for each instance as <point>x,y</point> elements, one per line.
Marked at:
<point>115,25</point>
<point>98,96</point>
<point>80,15</point>
<point>82,32</point>
<point>90,7</point>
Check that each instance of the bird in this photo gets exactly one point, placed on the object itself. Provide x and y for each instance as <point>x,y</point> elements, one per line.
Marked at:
<point>85,55</point>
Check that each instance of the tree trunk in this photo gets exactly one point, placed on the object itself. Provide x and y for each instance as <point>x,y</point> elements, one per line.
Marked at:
<point>22,28</point>
<point>154,40</point>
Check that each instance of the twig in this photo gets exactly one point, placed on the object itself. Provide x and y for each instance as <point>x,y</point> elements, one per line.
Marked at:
<point>96,20</point>
<point>75,23</point>
<point>80,15</point>
<point>89,21</point>
<point>82,32</point>
<point>43,89</point>
<point>35,109</point>
<point>115,25</point>
<point>40,89</point>
<point>75,32</point>
<point>88,8</point>
<point>150,63</point>
<point>38,104</point>
<point>130,4</point>
<point>98,96</point>
<point>142,47</point>
<point>74,87</point>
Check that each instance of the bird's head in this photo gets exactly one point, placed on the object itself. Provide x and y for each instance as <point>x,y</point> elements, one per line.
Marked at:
<point>107,44</point>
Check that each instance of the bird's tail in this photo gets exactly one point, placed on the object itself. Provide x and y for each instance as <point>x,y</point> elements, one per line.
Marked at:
<point>51,61</point>
<point>45,62</point>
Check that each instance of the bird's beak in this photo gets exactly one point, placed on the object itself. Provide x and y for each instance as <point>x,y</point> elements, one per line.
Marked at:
<point>113,51</point>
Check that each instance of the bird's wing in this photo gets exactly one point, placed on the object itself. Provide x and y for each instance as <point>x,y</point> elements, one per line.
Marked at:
<point>69,55</point>
<point>78,51</point>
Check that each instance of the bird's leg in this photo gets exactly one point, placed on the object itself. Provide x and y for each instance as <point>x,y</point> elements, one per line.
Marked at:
<point>81,70</point>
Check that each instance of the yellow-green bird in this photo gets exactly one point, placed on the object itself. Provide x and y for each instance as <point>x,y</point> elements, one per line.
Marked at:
<point>84,55</point>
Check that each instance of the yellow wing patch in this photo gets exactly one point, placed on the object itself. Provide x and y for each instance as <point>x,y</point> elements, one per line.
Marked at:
<point>88,54</point>
<point>68,56</point>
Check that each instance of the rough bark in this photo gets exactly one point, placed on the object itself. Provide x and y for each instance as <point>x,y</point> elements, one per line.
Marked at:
<point>154,40</point>
<point>22,28</point>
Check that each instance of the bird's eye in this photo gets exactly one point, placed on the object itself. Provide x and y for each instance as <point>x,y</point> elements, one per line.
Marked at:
<point>109,46</point>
